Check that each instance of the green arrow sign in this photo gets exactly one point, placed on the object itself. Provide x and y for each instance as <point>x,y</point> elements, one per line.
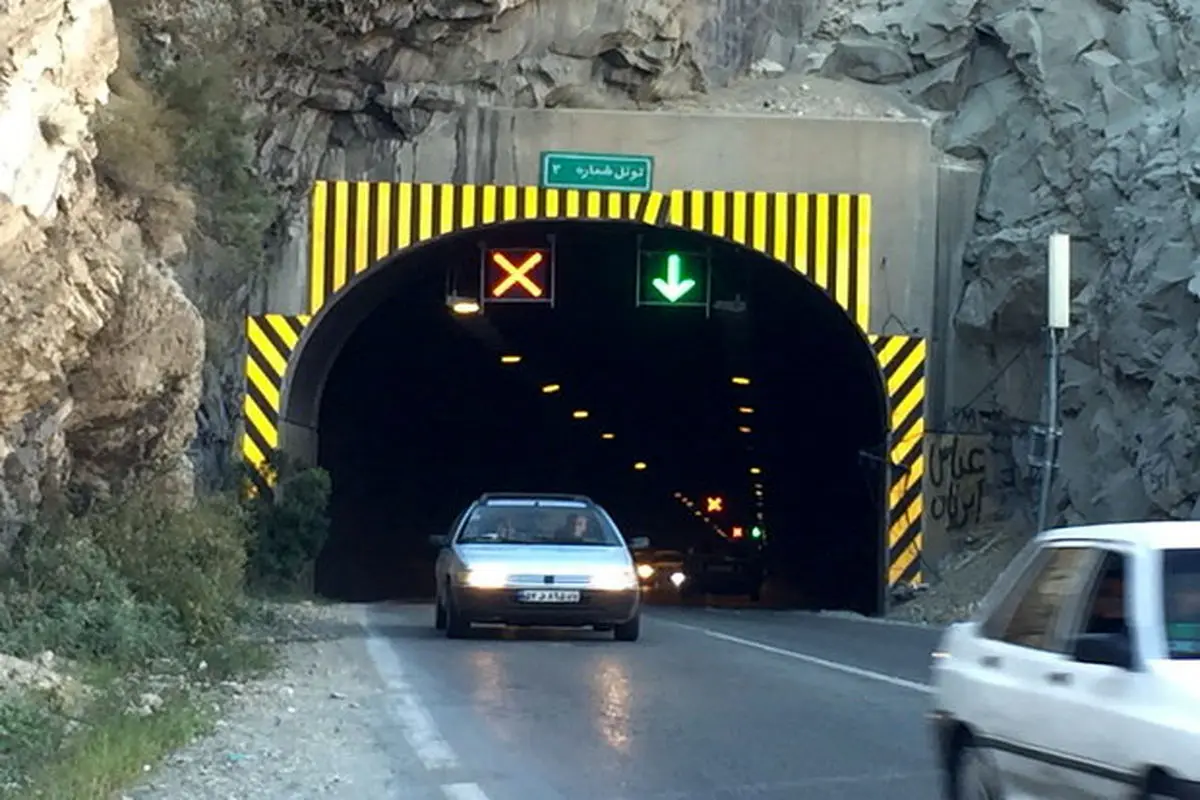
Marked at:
<point>672,278</point>
<point>675,286</point>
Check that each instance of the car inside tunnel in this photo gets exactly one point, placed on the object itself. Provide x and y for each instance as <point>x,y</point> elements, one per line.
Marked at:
<point>767,398</point>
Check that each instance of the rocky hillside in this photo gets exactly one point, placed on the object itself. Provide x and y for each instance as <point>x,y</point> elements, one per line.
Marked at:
<point>1084,113</point>
<point>101,353</point>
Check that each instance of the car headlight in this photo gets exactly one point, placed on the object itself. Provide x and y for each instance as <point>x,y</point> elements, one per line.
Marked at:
<point>615,579</point>
<point>486,577</point>
<point>645,571</point>
<point>678,578</point>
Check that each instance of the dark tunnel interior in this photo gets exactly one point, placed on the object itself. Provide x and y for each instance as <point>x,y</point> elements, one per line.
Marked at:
<point>419,414</point>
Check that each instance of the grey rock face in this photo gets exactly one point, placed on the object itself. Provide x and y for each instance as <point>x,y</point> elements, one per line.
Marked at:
<point>1088,117</point>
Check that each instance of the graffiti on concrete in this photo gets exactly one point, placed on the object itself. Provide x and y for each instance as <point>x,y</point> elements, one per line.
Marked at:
<point>957,468</point>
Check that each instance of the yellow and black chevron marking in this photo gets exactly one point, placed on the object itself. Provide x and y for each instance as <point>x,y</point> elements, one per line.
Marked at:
<point>270,339</point>
<point>825,236</point>
<point>902,362</point>
<point>355,224</point>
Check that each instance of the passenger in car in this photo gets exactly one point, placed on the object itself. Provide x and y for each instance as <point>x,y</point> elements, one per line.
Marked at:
<point>1108,610</point>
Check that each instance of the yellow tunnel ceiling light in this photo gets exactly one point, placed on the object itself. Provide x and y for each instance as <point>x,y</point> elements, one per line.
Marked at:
<point>550,388</point>
<point>745,410</point>
<point>464,307</point>
<point>579,414</point>
<point>510,359</point>
<point>606,436</point>
<point>639,465</point>
<point>740,381</point>
<point>744,429</point>
<point>755,471</point>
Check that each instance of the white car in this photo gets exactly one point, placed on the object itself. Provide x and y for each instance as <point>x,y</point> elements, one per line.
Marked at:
<point>537,559</point>
<point>1080,675</point>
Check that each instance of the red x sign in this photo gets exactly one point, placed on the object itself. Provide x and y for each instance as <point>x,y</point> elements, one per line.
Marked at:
<point>714,504</point>
<point>517,274</point>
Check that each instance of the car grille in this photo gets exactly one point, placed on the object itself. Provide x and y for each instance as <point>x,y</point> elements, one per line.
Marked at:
<point>564,581</point>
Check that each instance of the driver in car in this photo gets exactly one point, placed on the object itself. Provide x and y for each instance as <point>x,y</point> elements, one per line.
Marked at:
<point>576,529</point>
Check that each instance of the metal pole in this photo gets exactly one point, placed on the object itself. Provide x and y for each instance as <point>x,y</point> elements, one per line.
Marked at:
<point>1050,446</point>
<point>1058,319</point>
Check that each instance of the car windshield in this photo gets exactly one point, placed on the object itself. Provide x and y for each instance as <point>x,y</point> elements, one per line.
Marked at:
<point>1181,602</point>
<point>537,524</point>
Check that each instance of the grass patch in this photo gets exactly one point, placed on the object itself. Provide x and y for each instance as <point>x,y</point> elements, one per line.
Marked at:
<point>109,750</point>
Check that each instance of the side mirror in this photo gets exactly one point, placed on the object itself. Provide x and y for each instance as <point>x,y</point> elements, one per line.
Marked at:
<point>1109,649</point>
<point>439,540</point>
<point>639,543</point>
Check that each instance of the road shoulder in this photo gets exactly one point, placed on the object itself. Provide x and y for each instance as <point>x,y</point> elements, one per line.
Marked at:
<point>314,728</point>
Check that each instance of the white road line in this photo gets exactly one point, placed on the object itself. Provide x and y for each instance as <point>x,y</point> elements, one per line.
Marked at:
<point>418,726</point>
<point>820,662</point>
<point>463,791</point>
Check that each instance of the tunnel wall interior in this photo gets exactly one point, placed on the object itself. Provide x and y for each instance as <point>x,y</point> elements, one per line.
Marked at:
<point>354,223</point>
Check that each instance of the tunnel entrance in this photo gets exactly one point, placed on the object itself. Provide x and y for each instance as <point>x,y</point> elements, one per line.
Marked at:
<point>771,402</point>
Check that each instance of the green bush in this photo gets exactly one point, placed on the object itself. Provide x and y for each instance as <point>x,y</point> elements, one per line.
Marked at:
<point>127,582</point>
<point>291,527</point>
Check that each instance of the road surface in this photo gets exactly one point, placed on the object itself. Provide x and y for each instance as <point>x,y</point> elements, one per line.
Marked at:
<point>708,705</point>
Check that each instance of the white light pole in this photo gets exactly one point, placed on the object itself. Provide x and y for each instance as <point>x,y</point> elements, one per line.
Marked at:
<point>1058,319</point>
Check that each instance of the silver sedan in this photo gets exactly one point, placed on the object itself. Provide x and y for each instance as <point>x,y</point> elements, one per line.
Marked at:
<point>535,559</point>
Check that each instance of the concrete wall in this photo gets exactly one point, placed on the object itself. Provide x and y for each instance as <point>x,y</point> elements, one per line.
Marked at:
<point>892,160</point>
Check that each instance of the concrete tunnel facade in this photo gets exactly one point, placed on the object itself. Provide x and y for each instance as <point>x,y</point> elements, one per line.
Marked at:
<point>358,229</point>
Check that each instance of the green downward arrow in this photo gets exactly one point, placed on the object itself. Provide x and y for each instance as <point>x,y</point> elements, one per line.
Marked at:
<point>674,287</point>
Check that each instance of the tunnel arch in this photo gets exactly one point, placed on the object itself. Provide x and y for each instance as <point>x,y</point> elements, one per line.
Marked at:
<point>359,231</point>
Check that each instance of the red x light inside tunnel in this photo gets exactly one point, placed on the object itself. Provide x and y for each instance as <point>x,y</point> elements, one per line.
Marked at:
<point>520,275</point>
<point>714,505</point>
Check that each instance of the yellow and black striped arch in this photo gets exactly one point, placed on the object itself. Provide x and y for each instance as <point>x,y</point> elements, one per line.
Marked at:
<point>270,341</point>
<point>902,363</point>
<point>354,225</point>
<point>826,237</point>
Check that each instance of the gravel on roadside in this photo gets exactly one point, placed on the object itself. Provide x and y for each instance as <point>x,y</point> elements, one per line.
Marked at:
<point>315,728</point>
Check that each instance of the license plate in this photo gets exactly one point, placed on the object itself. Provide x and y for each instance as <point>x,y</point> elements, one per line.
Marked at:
<point>548,596</point>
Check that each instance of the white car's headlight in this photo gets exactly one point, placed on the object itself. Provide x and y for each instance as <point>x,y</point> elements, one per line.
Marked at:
<point>678,578</point>
<point>486,577</point>
<point>645,571</point>
<point>615,579</point>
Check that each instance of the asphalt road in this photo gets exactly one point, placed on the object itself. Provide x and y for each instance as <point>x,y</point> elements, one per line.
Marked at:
<point>708,705</point>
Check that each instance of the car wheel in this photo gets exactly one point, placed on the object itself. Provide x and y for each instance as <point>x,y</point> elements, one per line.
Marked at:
<point>439,616</point>
<point>628,631</point>
<point>457,627</point>
<point>974,776</point>
<point>755,595</point>
<point>1160,787</point>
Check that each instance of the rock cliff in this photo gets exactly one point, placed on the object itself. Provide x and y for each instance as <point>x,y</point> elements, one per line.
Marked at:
<point>101,351</point>
<point>1088,118</point>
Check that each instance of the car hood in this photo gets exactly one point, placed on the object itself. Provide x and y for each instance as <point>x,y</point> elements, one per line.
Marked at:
<point>547,558</point>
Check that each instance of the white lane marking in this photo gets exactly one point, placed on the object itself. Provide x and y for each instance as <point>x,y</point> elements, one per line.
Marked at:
<point>463,791</point>
<point>820,662</point>
<point>418,726</point>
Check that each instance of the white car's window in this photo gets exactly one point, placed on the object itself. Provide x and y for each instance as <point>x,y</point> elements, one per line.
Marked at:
<point>1181,602</point>
<point>1105,604</point>
<point>534,524</point>
<point>1060,573</point>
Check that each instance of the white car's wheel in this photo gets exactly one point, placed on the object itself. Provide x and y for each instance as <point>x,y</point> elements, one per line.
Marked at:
<point>974,776</point>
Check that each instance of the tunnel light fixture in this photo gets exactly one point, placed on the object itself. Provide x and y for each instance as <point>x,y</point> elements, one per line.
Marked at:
<point>579,414</point>
<point>755,471</point>
<point>463,307</point>
<point>607,436</point>
<point>510,359</point>
<point>745,410</point>
<point>744,429</point>
<point>551,388</point>
<point>740,381</point>
<point>639,465</point>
